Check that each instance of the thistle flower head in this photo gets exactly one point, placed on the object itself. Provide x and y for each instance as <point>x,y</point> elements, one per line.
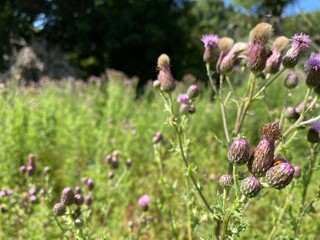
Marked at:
<point>157,138</point>
<point>313,67</point>
<point>250,186</point>
<point>167,82</point>
<point>313,135</point>
<point>261,33</point>
<point>273,62</point>
<point>88,200</point>
<point>271,131</point>
<point>78,199</point>
<point>226,63</point>
<point>226,181</point>
<point>183,98</point>
<point>300,41</point>
<point>239,151</point>
<point>210,40</point>
<point>143,201</point>
<point>225,44</point>
<point>280,174</point>
<point>290,113</point>
<point>315,125</point>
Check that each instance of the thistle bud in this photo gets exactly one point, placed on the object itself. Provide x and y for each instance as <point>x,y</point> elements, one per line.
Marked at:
<point>88,200</point>
<point>129,162</point>
<point>78,222</point>
<point>110,175</point>
<point>193,91</point>
<point>300,42</point>
<point>67,196</point>
<point>46,170</point>
<point>30,170</point>
<point>297,171</point>
<point>290,113</point>
<point>250,187</point>
<point>226,181</point>
<point>59,209</point>
<point>108,159</point>
<point>184,108</point>
<point>78,199</point>
<point>192,108</point>
<point>210,42</point>
<point>280,174</point>
<point>313,135</point>
<point>313,67</point>
<point>32,160</point>
<point>274,60</point>
<point>291,81</point>
<point>77,190</point>
<point>239,151</point>
<point>90,184</point>
<point>115,162</point>
<point>167,83</point>
<point>156,84</point>
<point>23,169</point>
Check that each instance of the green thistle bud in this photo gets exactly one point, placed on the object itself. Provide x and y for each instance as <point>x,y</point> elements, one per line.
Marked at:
<point>226,181</point>
<point>59,209</point>
<point>280,174</point>
<point>239,151</point>
<point>250,187</point>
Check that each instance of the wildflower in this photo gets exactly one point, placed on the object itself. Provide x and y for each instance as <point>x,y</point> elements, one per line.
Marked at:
<point>67,196</point>
<point>144,202</point>
<point>129,162</point>
<point>108,159</point>
<point>88,200</point>
<point>30,170</point>
<point>167,82</point>
<point>32,191</point>
<point>46,170</point>
<point>274,60</point>
<point>59,209</point>
<point>291,81</point>
<point>115,162</point>
<point>184,108</point>
<point>193,91</point>
<point>226,181</point>
<point>156,84</point>
<point>257,53</point>
<point>263,155</point>
<point>313,67</point>
<point>315,125</point>
<point>239,151</point>
<point>228,61</point>
<point>23,169</point>
<point>77,190</point>
<point>192,108</point>
<point>225,44</point>
<point>210,42</point>
<point>280,174</point>
<point>90,184</point>
<point>300,42</point>
<point>110,175</point>
<point>183,98</point>
<point>250,186</point>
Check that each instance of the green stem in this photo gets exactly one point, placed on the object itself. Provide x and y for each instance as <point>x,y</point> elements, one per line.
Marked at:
<point>236,181</point>
<point>208,68</point>
<point>223,111</point>
<point>283,210</point>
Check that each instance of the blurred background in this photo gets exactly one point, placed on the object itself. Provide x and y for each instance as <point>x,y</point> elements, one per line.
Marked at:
<point>81,38</point>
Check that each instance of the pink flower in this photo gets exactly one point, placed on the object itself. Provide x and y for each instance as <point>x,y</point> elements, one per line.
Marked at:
<point>210,40</point>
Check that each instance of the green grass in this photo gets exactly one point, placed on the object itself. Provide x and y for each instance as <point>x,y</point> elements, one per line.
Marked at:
<point>71,128</point>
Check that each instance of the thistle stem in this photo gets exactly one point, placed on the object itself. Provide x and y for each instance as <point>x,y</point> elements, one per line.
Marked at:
<point>236,181</point>
<point>223,111</point>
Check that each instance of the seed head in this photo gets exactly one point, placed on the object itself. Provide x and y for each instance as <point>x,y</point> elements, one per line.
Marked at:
<point>67,196</point>
<point>281,43</point>
<point>163,61</point>
<point>59,209</point>
<point>261,33</point>
<point>291,81</point>
<point>239,151</point>
<point>225,44</point>
<point>313,67</point>
<point>250,186</point>
<point>280,174</point>
<point>226,181</point>
<point>271,131</point>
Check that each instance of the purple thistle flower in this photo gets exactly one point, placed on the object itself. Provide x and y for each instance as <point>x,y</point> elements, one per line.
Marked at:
<point>183,98</point>
<point>313,62</point>
<point>144,202</point>
<point>32,191</point>
<point>301,41</point>
<point>210,40</point>
<point>2,194</point>
<point>315,125</point>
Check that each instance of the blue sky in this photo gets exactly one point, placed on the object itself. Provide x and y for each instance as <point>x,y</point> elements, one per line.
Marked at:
<point>298,6</point>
